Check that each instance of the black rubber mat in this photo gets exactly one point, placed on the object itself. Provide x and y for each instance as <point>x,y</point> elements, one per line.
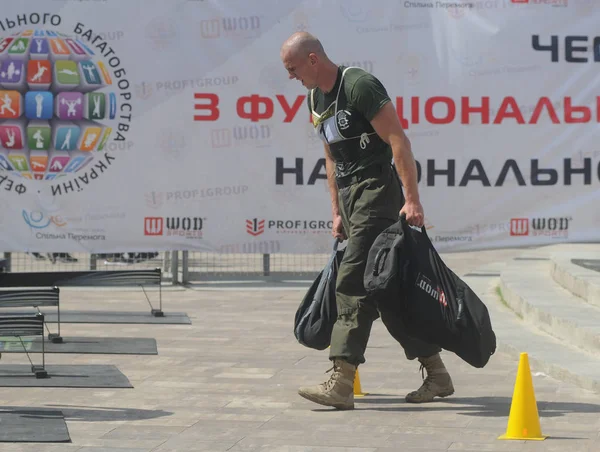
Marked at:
<point>32,425</point>
<point>172,318</point>
<point>83,345</point>
<point>64,376</point>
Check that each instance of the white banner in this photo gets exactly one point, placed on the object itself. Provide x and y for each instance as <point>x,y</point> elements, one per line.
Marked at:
<point>161,125</point>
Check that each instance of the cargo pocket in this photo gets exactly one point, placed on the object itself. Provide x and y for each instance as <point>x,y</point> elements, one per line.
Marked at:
<point>384,198</point>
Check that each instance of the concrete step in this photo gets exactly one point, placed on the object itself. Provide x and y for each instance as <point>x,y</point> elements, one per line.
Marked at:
<point>528,288</point>
<point>547,354</point>
<point>575,271</point>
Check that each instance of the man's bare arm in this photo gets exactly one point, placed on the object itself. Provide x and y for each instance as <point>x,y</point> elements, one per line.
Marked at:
<point>388,127</point>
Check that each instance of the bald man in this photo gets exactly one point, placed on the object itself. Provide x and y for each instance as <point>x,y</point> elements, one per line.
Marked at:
<point>358,124</point>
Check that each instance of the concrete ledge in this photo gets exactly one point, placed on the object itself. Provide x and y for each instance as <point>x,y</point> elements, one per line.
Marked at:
<point>578,280</point>
<point>531,292</point>
<point>547,354</point>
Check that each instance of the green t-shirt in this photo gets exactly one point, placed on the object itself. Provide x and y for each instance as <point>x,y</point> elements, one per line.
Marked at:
<point>342,120</point>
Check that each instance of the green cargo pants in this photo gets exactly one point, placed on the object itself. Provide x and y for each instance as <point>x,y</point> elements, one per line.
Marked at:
<point>368,205</point>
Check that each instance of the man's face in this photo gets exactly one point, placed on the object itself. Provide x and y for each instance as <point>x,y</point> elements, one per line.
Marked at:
<point>303,68</point>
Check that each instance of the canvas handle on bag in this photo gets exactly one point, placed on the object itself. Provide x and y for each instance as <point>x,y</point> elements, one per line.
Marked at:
<point>421,229</point>
<point>380,255</point>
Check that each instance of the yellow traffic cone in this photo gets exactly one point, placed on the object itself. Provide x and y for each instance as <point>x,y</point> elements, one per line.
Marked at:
<point>357,388</point>
<point>523,420</point>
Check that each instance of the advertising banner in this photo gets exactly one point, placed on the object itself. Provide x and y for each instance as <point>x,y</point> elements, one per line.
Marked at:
<point>172,125</point>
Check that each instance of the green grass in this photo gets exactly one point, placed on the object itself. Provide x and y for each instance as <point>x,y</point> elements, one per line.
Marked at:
<point>504,302</point>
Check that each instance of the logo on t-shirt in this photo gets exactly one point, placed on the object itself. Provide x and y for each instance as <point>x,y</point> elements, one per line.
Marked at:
<point>343,120</point>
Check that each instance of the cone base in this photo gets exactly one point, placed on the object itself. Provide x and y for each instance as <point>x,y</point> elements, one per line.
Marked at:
<point>540,438</point>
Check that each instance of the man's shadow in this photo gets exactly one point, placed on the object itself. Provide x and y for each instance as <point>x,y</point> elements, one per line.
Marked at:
<point>470,406</point>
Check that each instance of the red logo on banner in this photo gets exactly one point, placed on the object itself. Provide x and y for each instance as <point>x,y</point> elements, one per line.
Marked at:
<point>255,227</point>
<point>519,226</point>
<point>520,1</point>
<point>153,226</point>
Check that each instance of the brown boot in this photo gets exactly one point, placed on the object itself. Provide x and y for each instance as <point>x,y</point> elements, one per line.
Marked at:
<point>437,384</point>
<point>338,391</point>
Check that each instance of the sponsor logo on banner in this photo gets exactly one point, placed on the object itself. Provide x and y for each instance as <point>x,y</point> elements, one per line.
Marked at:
<point>171,143</point>
<point>557,227</point>
<point>373,17</point>
<point>221,138</point>
<point>519,226</point>
<point>480,61</point>
<point>257,226</point>
<point>489,229</point>
<point>231,27</point>
<point>188,227</point>
<point>64,103</point>
<point>39,221</point>
<point>161,32</point>
<point>153,226</point>
<point>455,8</point>
<point>145,90</point>
<point>451,237</point>
<point>358,11</point>
<point>156,199</point>
<point>247,135</point>
<point>411,66</point>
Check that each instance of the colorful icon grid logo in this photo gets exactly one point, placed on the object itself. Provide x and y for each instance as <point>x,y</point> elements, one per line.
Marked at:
<point>53,104</point>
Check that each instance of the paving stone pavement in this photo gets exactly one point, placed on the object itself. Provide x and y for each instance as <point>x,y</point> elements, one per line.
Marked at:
<point>229,381</point>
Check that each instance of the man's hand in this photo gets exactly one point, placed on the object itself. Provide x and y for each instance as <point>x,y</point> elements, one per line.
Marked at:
<point>338,228</point>
<point>414,213</point>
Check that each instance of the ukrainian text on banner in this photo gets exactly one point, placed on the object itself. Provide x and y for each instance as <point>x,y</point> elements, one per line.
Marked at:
<point>137,126</point>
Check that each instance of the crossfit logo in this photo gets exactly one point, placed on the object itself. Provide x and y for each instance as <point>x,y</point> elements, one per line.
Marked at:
<point>255,227</point>
<point>436,293</point>
<point>153,226</point>
<point>519,226</point>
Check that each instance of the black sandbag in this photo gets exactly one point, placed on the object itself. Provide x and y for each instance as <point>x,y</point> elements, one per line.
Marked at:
<point>317,312</point>
<point>405,271</point>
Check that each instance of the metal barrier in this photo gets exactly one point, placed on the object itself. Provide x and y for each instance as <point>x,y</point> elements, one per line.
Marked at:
<point>179,266</point>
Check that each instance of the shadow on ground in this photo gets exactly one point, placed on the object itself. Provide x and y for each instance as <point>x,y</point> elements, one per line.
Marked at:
<point>471,406</point>
<point>97,414</point>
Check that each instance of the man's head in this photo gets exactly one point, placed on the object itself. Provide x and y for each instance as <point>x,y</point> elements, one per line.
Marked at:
<point>303,56</point>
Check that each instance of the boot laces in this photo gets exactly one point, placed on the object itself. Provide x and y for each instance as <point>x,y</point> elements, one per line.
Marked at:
<point>333,378</point>
<point>427,381</point>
